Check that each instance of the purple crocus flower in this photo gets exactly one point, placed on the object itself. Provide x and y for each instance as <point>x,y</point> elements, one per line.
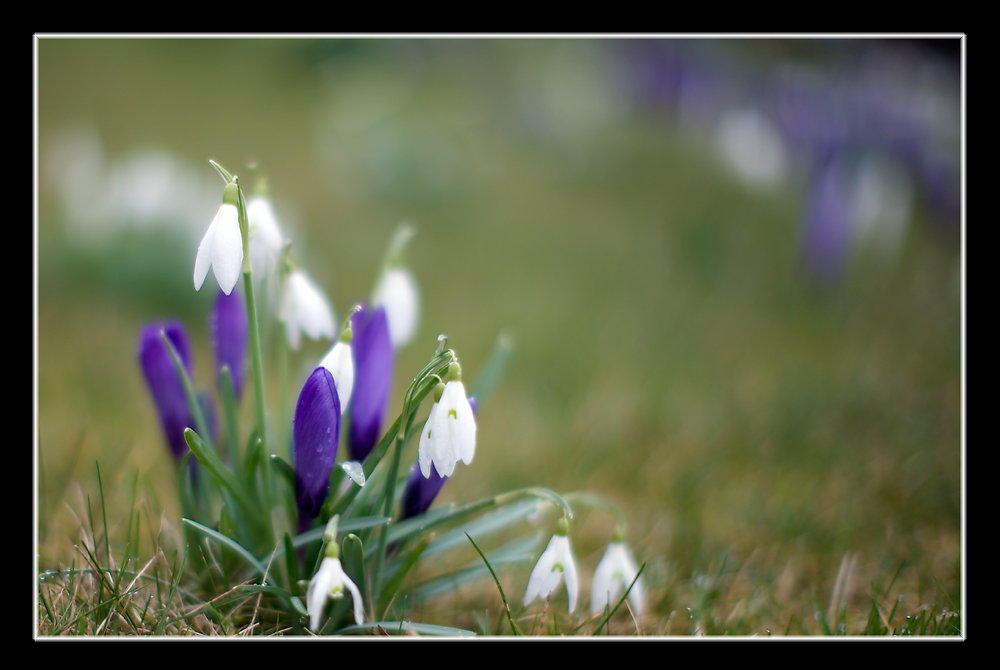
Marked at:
<point>829,221</point>
<point>373,358</point>
<point>315,435</point>
<point>164,382</point>
<point>230,327</point>
<point>420,491</point>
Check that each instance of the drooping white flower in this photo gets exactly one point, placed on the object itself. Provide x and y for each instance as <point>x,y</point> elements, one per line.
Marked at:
<point>555,563</point>
<point>341,365</point>
<point>329,582</point>
<point>449,435</point>
<point>222,246</point>
<point>264,235</point>
<point>304,309</point>
<point>397,292</point>
<point>614,574</point>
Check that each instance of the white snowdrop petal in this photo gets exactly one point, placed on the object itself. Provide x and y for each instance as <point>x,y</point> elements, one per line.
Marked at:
<point>203,260</point>
<point>341,365</point>
<point>227,249</point>
<point>397,292</point>
<point>425,451</point>
<point>569,573</point>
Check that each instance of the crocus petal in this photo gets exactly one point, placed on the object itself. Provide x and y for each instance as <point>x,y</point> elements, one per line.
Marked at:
<point>164,382</point>
<point>373,360</point>
<point>315,435</point>
<point>230,328</point>
<point>340,362</point>
<point>420,491</point>
<point>397,292</point>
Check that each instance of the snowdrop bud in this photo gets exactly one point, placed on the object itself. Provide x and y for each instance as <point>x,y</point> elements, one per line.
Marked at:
<point>397,292</point>
<point>339,361</point>
<point>373,361</point>
<point>222,247</point>
<point>315,435</point>
<point>230,327</point>
<point>304,309</point>
<point>164,382</point>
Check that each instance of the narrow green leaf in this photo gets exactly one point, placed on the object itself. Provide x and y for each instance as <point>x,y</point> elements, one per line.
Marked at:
<point>228,397</point>
<point>292,562</point>
<point>513,627</point>
<point>218,470</point>
<point>232,544</point>
<point>284,469</point>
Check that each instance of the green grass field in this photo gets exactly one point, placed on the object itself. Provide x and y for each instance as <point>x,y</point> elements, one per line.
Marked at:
<point>789,457</point>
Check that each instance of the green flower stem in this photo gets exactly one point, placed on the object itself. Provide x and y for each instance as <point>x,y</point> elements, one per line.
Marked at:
<point>258,364</point>
<point>281,441</point>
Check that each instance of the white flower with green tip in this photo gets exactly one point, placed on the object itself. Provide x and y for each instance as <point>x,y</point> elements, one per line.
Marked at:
<point>614,574</point>
<point>555,563</point>
<point>222,246</point>
<point>304,309</point>
<point>329,582</point>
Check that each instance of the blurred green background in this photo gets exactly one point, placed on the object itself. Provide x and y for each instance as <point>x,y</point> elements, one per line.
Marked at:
<point>671,353</point>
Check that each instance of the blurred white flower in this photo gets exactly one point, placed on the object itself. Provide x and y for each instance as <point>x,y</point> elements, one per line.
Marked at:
<point>222,247</point>
<point>614,574</point>
<point>341,365</point>
<point>554,564</point>
<point>397,292</point>
<point>449,434</point>
<point>304,309</point>
<point>265,235</point>
<point>329,582</point>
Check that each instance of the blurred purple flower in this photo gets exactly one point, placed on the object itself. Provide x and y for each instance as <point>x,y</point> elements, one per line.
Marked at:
<point>421,491</point>
<point>164,382</point>
<point>829,220</point>
<point>230,328</point>
<point>315,435</point>
<point>373,359</point>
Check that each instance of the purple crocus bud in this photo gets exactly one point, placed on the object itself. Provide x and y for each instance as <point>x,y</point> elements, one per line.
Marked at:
<point>315,435</point>
<point>420,491</point>
<point>373,359</point>
<point>230,327</point>
<point>829,221</point>
<point>164,382</point>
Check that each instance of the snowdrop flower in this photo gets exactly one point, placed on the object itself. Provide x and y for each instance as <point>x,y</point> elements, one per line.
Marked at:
<point>449,435</point>
<point>164,382</point>
<point>555,563</point>
<point>373,360</point>
<point>340,363</point>
<point>329,582</point>
<point>420,491</point>
<point>264,235</point>
<point>397,292</point>
<point>614,574</point>
<point>222,247</point>
<point>230,327</point>
<point>304,309</point>
<point>315,435</point>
